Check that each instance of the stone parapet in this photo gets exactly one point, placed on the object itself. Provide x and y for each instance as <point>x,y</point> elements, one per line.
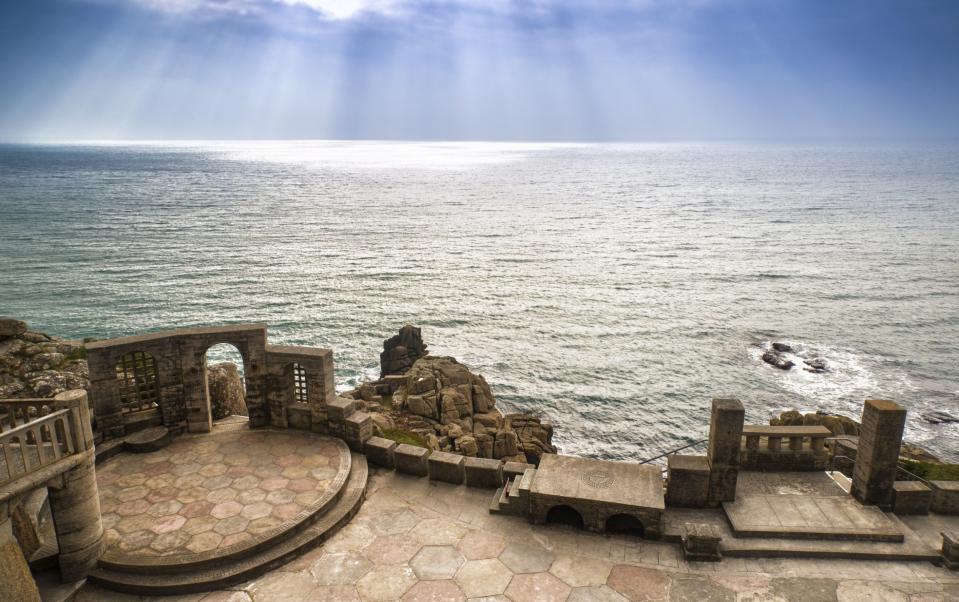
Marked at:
<point>411,459</point>
<point>446,467</point>
<point>910,497</point>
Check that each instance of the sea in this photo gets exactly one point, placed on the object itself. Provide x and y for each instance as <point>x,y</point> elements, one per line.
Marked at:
<point>613,289</point>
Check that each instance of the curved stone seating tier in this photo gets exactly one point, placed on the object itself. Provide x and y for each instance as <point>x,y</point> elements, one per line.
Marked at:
<point>214,509</point>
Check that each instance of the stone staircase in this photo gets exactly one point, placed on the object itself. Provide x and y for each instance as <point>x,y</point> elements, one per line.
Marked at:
<point>217,572</point>
<point>513,497</point>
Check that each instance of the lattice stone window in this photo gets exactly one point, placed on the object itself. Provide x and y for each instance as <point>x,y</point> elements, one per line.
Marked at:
<point>300,392</point>
<point>137,372</point>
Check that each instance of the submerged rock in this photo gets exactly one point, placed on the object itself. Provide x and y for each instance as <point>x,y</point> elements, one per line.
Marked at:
<point>782,348</point>
<point>777,360</point>
<point>939,417</point>
<point>815,365</point>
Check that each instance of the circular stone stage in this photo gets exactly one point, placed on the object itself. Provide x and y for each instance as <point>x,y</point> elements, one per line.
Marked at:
<point>211,497</point>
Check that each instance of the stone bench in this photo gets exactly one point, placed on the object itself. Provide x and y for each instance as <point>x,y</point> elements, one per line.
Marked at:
<point>380,451</point>
<point>446,467</point>
<point>945,497</point>
<point>412,459</point>
<point>910,497</point>
<point>484,472</point>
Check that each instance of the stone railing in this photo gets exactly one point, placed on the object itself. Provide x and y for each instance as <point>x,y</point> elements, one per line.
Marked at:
<point>805,448</point>
<point>40,432</point>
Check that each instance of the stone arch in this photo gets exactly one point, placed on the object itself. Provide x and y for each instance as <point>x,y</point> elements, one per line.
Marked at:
<point>624,524</point>
<point>224,352</point>
<point>563,514</point>
<point>139,379</point>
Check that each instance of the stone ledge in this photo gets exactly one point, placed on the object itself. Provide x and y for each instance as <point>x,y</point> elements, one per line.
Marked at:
<point>446,467</point>
<point>484,472</point>
<point>411,459</point>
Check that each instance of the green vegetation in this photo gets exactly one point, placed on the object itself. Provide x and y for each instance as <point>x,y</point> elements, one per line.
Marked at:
<point>80,353</point>
<point>932,472</point>
<point>404,436</point>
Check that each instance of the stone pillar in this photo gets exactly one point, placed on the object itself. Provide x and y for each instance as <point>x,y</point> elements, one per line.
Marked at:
<point>880,438</point>
<point>76,519</point>
<point>16,582</point>
<point>725,439</point>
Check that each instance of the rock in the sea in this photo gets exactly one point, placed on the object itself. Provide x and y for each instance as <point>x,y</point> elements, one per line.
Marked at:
<point>535,436</point>
<point>815,365</point>
<point>939,417</point>
<point>227,392</point>
<point>401,351</point>
<point>777,360</point>
<point>782,347</point>
<point>11,328</point>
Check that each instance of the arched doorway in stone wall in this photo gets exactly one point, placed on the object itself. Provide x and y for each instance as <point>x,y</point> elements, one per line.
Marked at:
<point>225,378</point>
<point>565,515</point>
<point>624,524</point>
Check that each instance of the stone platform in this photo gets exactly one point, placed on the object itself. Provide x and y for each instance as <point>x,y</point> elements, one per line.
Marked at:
<point>598,490</point>
<point>213,497</point>
<point>809,517</point>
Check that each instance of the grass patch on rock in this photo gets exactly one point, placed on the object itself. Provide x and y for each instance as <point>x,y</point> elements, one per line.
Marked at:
<point>932,472</point>
<point>403,436</point>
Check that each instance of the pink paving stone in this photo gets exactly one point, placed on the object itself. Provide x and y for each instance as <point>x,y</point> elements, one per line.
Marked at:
<point>286,512</point>
<point>301,485</point>
<point>251,496</point>
<point>193,494</point>
<point>136,540</point>
<point>289,460</point>
<point>165,507</point>
<point>157,468</point>
<point>537,587</point>
<point>391,549</point>
<point>107,478</point>
<point>133,508</point>
<point>166,524</point>
<point>637,583</point>
<point>236,538</point>
<point>161,480</point>
<point>195,509</point>
<point>434,591</point>
<point>162,494</point>
<point>274,484</point>
<point>239,471</point>
<point>226,509</point>
<point>479,545</point>
<point>247,482</point>
<point>133,493</point>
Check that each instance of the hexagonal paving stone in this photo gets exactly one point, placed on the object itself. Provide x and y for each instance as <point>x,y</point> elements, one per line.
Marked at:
<point>204,542</point>
<point>340,569</point>
<point>523,558</point>
<point>477,545</point>
<point>488,577</point>
<point>438,531</point>
<point>213,470</point>
<point>233,524</point>
<point>218,496</point>
<point>139,522</point>
<point>226,509</point>
<point>193,494</point>
<point>436,562</point>
<point>434,591</point>
<point>133,507</point>
<point>133,493</point>
<point>237,538</point>
<point>386,583</point>
<point>194,509</point>
<point>199,524</point>
<point>581,571</point>
<point>263,525</point>
<point>164,508</point>
<point>256,510</point>
<point>274,484</point>
<point>296,472</point>
<point>217,482</point>
<point>392,523</point>
<point>166,524</point>
<point>251,496</point>
<point>537,587</point>
<point>637,583</point>
<point>168,542</point>
<point>391,549</point>
<point>136,540</point>
<point>246,482</point>
<point>601,593</point>
<point>283,496</point>
<point>301,485</point>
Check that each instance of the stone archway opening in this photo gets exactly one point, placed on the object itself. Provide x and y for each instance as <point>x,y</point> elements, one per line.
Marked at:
<point>565,515</point>
<point>225,380</point>
<point>624,524</point>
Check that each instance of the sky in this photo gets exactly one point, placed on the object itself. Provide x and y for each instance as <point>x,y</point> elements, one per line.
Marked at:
<point>537,70</point>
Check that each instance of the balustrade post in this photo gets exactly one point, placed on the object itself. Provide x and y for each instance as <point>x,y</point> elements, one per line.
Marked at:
<point>795,443</point>
<point>774,443</point>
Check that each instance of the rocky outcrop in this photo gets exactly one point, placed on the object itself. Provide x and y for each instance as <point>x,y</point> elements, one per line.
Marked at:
<point>446,405</point>
<point>401,351</point>
<point>33,364</point>
<point>777,360</point>
<point>227,391</point>
<point>785,357</point>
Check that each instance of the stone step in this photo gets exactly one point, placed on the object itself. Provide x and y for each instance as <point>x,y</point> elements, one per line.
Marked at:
<point>526,482</point>
<point>494,507</point>
<point>229,572</point>
<point>148,440</point>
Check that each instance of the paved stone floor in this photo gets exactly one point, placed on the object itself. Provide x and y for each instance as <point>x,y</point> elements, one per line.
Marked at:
<point>419,541</point>
<point>205,494</point>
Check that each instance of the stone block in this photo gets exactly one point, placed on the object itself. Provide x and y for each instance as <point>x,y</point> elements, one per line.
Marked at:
<point>701,542</point>
<point>380,451</point>
<point>411,459</point>
<point>725,432</point>
<point>911,497</point>
<point>359,429</point>
<point>484,472</point>
<point>945,497</point>
<point>300,418</point>
<point>446,467</point>
<point>339,408</point>
<point>687,482</point>
<point>515,469</point>
<point>950,550</point>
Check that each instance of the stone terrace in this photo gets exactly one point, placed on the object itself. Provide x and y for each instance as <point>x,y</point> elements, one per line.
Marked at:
<point>208,495</point>
<point>419,540</point>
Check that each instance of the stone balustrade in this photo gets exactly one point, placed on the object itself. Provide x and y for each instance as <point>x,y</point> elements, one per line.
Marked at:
<point>805,448</point>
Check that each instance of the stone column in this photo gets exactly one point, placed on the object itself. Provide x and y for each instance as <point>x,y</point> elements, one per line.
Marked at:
<point>877,460</point>
<point>725,439</point>
<point>76,519</point>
